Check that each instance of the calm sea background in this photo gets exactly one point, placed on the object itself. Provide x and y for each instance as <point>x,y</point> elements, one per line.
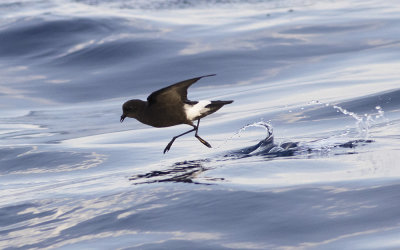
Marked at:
<point>307,156</point>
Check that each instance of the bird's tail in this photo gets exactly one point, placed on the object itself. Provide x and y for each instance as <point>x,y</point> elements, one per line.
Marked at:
<point>215,105</point>
<point>218,104</point>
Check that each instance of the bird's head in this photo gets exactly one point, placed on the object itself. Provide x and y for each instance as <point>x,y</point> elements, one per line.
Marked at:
<point>131,109</point>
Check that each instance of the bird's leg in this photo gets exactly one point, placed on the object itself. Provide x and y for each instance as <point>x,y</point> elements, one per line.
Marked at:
<point>174,138</point>
<point>198,137</point>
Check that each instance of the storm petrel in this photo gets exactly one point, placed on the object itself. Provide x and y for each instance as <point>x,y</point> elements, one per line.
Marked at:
<point>169,106</point>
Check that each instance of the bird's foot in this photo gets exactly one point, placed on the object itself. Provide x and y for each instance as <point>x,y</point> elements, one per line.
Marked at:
<point>203,141</point>
<point>168,146</point>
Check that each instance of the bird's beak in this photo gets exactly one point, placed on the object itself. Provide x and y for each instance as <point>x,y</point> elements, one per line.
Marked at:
<point>122,118</point>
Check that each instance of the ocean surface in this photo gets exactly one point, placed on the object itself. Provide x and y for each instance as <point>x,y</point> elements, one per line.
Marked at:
<point>306,157</point>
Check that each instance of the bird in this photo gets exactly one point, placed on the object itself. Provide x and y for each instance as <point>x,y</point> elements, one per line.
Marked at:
<point>170,106</point>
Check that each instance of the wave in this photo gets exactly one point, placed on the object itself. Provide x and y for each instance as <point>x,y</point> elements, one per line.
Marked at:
<point>29,160</point>
<point>55,37</point>
<point>180,4</point>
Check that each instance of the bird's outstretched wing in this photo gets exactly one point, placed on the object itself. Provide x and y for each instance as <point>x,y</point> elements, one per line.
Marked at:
<point>177,92</point>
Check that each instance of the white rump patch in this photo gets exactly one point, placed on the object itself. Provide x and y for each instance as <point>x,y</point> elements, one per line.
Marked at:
<point>194,111</point>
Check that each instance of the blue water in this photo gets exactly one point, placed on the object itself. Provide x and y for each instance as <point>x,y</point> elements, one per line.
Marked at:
<point>305,158</point>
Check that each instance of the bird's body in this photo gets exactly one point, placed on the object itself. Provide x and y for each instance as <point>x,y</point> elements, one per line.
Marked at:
<point>156,115</point>
<point>169,106</point>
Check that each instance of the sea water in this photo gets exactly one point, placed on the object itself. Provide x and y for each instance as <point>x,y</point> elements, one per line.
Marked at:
<point>306,157</point>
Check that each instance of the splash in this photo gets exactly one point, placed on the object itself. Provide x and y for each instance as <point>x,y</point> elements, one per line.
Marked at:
<point>363,122</point>
<point>266,147</point>
<point>261,124</point>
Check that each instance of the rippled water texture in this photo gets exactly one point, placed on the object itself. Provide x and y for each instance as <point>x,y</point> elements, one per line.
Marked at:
<point>306,157</point>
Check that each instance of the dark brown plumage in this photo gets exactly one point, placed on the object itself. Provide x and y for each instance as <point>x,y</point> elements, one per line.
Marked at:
<point>169,106</point>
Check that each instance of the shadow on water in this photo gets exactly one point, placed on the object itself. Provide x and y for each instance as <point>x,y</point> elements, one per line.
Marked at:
<point>185,172</point>
<point>267,149</point>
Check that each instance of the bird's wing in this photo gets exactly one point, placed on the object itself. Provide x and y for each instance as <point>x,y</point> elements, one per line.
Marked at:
<point>177,91</point>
